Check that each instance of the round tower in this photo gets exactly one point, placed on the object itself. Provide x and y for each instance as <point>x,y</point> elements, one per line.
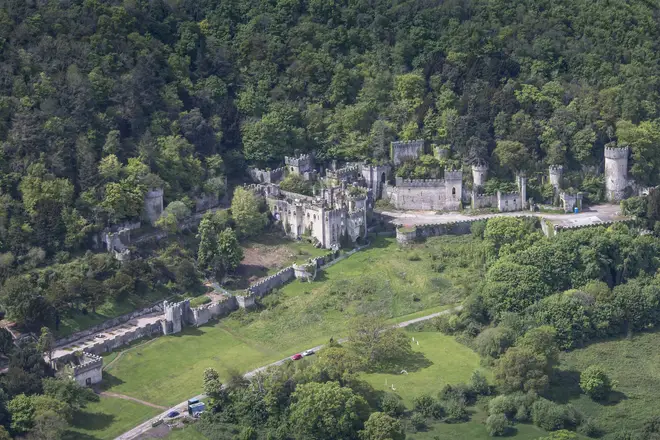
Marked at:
<point>616,173</point>
<point>556,172</point>
<point>479,174</point>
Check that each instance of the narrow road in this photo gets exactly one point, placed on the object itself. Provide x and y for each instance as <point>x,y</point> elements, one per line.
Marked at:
<point>183,406</point>
<point>594,214</point>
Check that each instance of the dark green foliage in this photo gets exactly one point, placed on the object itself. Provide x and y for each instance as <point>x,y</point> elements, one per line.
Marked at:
<point>427,406</point>
<point>552,417</point>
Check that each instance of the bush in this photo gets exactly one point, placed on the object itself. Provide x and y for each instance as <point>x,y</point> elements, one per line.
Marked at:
<point>448,323</point>
<point>595,383</point>
<point>590,429</point>
<point>459,391</point>
<point>551,417</point>
<point>427,406</point>
<point>479,383</point>
<point>497,424</point>
<point>418,421</point>
<point>503,404</point>
<point>391,405</point>
<point>456,411</point>
<point>494,341</point>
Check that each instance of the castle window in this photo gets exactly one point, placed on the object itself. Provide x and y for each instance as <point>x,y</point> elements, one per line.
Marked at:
<point>453,191</point>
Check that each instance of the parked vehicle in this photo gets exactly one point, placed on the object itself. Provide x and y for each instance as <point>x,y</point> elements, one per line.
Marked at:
<point>296,357</point>
<point>172,414</point>
<point>308,353</point>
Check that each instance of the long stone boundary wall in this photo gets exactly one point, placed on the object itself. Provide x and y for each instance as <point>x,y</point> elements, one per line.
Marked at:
<point>114,322</point>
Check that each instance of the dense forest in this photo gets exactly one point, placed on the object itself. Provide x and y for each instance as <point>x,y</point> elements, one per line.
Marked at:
<point>102,100</point>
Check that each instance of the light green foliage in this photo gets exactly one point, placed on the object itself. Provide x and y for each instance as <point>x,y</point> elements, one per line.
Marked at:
<point>123,200</point>
<point>110,168</point>
<point>229,250</point>
<point>22,411</point>
<point>513,155</point>
<point>494,341</point>
<point>296,184</point>
<point>246,213</point>
<point>644,141</point>
<point>39,185</point>
<point>381,426</point>
<point>326,410</point>
<point>174,213</point>
<point>541,340</point>
<point>595,383</point>
<point>497,424</point>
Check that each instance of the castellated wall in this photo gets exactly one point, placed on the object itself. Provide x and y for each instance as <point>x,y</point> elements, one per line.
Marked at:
<point>203,314</point>
<point>269,283</point>
<point>114,322</point>
<point>480,201</point>
<point>266,176</point>
<point>426,194</point>
<point>402,151</point>
<point>616,173</point>
<point>408,235</point>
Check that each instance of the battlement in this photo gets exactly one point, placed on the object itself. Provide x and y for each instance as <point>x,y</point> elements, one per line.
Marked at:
<point>87,362</point>
<point>481,168</point>
<point>343,172</point>
<point>154,193</point>
<point>270,282</point>
<point>616,153</point>
<point>556,169</point>
<point>453,175</point>
<point>303,159</point>
<point>416,143</point>
<point>266,176</point>
<point>401,151</point>
<point>416,183</point>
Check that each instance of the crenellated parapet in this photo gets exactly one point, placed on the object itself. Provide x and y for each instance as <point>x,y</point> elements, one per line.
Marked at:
<point>616,153</point>
<point>416,183</point>
<point>88,362</point>
<point>401,151</point>
<point>453,176</point>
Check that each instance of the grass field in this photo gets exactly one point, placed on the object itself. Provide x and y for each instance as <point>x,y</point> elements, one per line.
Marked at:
<point>633,363</point>
<point>108,418</point>
<point>382,279</point>
<point>444,361</point>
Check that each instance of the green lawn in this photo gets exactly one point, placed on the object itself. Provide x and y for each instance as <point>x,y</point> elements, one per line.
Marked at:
<point>633,363</point>
<point>442,361</point>
<point>108,418</point>
<point>383,279</point>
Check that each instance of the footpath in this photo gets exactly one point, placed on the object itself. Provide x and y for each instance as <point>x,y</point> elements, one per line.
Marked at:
<point>182,407</point>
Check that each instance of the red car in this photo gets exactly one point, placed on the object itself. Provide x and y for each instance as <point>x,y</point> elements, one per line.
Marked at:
<point>296,357</point>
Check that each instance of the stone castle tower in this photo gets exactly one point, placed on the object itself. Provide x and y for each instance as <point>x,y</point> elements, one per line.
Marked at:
<point>616,173</point>
<point>153,205</point>
<point>453,189</point>
<point>479,174</point>
<point>556,172</point>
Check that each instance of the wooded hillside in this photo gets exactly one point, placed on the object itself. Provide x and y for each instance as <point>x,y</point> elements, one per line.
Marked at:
<point>102,100</point>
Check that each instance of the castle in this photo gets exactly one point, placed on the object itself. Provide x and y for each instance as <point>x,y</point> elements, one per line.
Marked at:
<point>343,204</point>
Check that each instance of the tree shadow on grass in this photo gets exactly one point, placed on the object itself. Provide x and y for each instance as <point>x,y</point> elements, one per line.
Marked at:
<point>413,362</point>
<point>72,435</point>
<point>565,386</point>
<point>614,398</point>
<point>92,421</point>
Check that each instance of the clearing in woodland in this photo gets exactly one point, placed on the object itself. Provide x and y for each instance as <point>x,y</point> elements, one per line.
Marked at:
<point>382,279</point>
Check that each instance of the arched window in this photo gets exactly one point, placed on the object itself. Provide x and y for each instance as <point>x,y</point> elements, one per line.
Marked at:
<point>453,191</point>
